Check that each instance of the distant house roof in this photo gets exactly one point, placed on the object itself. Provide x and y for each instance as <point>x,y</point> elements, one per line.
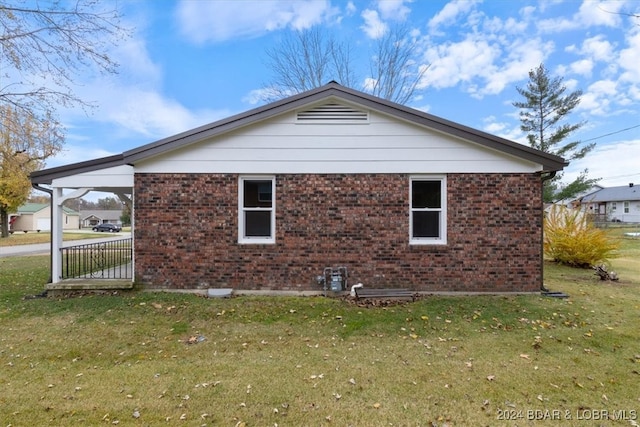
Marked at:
<point>31,208</point>
<point>333,91</point>
<point>101,213</point>
<point>614,194</point>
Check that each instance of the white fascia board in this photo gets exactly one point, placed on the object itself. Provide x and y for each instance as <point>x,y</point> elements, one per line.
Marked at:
<point>117,176</point>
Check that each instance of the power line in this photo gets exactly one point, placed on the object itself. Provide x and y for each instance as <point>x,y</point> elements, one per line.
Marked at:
<point>612,133</point>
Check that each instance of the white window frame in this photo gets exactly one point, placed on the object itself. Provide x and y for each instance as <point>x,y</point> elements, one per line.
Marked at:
<point>625,207</point>
<point>242,237</point>
<point>442,239</point>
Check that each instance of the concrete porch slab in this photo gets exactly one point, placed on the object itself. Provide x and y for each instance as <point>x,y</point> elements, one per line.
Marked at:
<point>90,285</point>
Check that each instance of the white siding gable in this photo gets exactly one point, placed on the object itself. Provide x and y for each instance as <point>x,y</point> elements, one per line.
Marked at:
<point>117,176</point>
<point>334,138</point>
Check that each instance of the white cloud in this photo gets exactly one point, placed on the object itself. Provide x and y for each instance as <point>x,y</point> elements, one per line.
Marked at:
<point>215,21</point>
<point>597,48</point>
<point>504,130</point>
<point>74,153</point>
<point>523,55</point>
<point>131,102</point>
<point>605,13</point>
<point>630,58</point>
<point>453,63</point>
<point>484,66</point>
<point>616,163</point>
<point>148,114</point>
<point>591,13</point>
<point>373,26</point>
<point>450,13</point>
<point>598,98</point>
<point>583,67</point>
<point>394,9</point>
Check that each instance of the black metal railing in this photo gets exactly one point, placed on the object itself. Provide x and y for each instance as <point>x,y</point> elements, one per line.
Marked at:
<point>106,260</point>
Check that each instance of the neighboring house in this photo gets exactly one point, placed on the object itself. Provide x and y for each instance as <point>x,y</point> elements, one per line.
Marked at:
<point>333,177</point>
<point>37,217</point>
<point>92,218</point>
<point>618,204</point>
<point>574,201</point>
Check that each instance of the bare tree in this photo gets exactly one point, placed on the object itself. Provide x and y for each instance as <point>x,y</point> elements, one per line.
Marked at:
<point>44,46</point>
<point>310,58</point>
<point>395,74</point>
<point>305,60</point>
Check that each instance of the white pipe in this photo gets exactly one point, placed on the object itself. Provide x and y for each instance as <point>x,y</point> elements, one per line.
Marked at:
<point>353,288</point>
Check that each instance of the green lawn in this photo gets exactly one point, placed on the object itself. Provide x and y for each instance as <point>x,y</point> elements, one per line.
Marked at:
<point>136,358</point>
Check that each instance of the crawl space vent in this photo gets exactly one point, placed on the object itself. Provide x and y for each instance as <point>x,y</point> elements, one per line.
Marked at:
<point>333,113</point>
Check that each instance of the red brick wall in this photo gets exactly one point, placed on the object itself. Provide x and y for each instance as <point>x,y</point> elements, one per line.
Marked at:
<point>186,229</point>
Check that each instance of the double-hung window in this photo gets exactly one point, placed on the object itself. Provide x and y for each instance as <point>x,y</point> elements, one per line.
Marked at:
<point>256,209</point>
<point>428,210</point>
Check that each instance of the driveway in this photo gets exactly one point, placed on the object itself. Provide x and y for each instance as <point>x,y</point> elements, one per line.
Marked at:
<point>45,248</point>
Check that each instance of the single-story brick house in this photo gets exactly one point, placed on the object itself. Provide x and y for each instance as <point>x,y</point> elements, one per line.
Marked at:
<point>91,218</point>
<point>332,177</point>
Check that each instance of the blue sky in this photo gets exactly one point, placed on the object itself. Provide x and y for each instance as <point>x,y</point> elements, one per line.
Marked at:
<point>192,62</point>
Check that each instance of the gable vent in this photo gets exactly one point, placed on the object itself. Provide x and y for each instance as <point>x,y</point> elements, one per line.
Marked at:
<point>333,113</point>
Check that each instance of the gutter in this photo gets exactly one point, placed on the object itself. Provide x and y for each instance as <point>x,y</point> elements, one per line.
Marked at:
<point>50,193</point>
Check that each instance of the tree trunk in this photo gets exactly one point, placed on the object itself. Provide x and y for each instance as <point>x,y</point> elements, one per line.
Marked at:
<point>4,222</point>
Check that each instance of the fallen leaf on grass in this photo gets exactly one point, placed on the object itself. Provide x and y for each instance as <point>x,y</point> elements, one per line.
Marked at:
<point>376,405</point>
<point>524,356</point>
<point>491,377</point>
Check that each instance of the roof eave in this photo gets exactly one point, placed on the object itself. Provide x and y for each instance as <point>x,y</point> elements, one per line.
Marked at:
<point>46,176</point>
<point>548,162</point>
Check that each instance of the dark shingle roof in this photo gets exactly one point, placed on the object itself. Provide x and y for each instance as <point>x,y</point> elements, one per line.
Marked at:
<point>331,90</point>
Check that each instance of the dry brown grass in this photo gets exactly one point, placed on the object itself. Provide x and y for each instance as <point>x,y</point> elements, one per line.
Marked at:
<point>20,238</point>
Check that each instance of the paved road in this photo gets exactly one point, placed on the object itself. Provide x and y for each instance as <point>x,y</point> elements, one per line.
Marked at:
<point>44,248</point>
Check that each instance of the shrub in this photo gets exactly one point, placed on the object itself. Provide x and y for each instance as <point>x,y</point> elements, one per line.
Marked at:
<point>571,239</point>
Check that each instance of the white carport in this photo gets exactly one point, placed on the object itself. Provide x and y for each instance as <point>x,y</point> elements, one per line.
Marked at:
<point>108,174</point>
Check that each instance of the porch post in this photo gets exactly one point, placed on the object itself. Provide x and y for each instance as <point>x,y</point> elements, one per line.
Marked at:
<point>56,235</point>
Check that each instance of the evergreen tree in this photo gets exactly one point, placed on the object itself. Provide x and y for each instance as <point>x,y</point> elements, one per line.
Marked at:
<point>543,117</point>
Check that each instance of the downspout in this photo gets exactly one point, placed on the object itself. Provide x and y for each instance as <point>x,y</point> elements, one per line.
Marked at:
<point>546,176</point>
<point>50,192</point>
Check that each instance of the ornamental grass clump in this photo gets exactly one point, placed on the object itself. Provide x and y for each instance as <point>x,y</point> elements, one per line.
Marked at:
<point>571,239</point>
